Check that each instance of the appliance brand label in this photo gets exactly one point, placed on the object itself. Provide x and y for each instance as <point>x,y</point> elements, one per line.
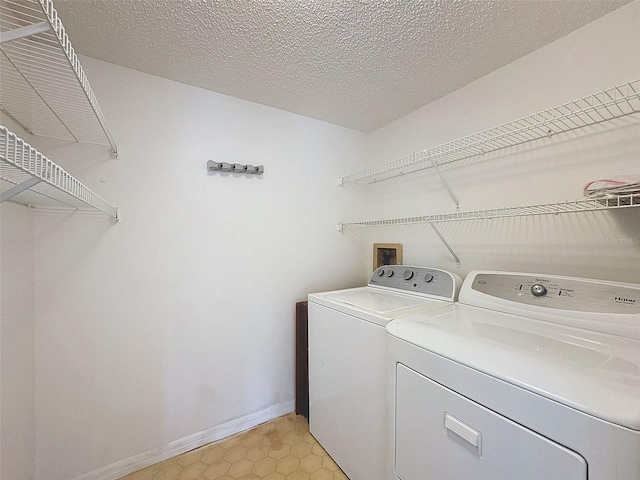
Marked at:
<point>626,300</point>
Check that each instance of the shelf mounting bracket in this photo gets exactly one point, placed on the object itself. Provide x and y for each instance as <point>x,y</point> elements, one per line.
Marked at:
<point>29,30</point>
<point>21,187</point>
<point>446,244</point>
<point>445,183</point>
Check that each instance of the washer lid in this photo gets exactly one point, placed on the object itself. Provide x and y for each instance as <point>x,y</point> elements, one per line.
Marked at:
<point>375,304</point>
<point>593,372</point>
<point>381,303</point>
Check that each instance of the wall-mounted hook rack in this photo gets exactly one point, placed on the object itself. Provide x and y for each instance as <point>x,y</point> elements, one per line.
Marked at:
<point>234,168</point>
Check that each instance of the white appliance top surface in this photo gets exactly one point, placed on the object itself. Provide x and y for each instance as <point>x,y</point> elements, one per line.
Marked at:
<point>394,291</point>
<point>380,302</point>
<point>597,373</point>
<point>375,304</point>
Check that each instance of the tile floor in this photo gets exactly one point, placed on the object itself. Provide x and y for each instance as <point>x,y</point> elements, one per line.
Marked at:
<point>282,449</point>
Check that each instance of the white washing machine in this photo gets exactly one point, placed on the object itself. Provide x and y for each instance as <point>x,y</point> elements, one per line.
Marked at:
<point>528,377</point>
<point>347,360</point>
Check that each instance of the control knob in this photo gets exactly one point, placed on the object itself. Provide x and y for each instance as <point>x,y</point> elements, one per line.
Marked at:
<point>408,274</point>
<point>390,273</point>
<point>428,277</point>
<point>381,272</point>
<point>539,290</point>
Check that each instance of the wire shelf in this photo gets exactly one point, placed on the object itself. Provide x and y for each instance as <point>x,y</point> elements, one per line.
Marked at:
<point>600,107</point>
<point>45,183</point>
<point>44,88</point>
<point>571,206</point>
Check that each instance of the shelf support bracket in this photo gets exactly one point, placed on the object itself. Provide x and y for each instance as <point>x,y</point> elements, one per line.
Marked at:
<point>18,33</point>
<point>446,244</point>
<point>26,128</point>
<point>446,184</point>
<point>21,187</point>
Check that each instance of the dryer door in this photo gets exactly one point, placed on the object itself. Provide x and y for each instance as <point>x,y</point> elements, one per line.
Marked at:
<point>442,435</point>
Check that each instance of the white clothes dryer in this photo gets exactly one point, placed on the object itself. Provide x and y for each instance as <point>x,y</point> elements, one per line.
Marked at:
<point>528,377</point>
<point>347,360</point>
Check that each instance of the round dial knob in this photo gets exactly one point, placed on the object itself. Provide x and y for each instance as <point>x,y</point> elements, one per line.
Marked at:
<point>380,272</point>
<point>390,273</point>
<point>407,275</point>
<point>428,277</point>
<point>539,290</point>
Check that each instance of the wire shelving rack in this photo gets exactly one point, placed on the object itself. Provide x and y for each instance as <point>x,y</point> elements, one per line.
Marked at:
<point>555,208</point>
<point>597,108</point>
<point>44,88</point>
<point>30,178</point>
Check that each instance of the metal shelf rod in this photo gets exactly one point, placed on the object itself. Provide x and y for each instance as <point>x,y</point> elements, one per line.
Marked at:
<point>22,32</point>
<point>446,244</point>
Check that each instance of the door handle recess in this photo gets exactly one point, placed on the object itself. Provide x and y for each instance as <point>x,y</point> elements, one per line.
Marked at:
<point>465,435</point>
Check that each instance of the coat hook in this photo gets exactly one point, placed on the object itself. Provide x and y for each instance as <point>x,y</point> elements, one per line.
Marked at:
<point>213,166</point>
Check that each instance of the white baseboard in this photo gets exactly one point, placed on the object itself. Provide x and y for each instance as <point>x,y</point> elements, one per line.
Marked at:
<point>178,447</point>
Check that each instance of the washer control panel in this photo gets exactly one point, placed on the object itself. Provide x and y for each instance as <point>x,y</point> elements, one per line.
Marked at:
<point>422,280</point>
<point>561,293</point>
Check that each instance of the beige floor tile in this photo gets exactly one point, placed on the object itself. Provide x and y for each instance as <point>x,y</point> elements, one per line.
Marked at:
<point>240,468</point>
<point>217,469</point>
<point>282,449</point>
<point>212,454</point>
<point>288,465</point>
<point>310,463</point>
<point>190,457</point>
<point>307,437</point>
<point>301,449</point>
<point>281,452</point>
<point>192,471</point>
<point>251,440</point>
<point>285,426</point>
<point>236,453</point>
<point>302,427</point>
<point>258,452</point>
<point>321,474</point>
<point>265,466</point>
<point>293,437</point>
<point>298,475</point>
<point>274,476</point>
<point>329,464</point>
<point>232,441</point>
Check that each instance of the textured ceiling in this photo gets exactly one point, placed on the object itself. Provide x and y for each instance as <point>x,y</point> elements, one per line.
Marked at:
<point>355,63</point>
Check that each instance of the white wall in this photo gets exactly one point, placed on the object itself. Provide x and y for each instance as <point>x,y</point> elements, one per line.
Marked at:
<point>17,343</point>
<point>600,245</point>
<point>181,317</point>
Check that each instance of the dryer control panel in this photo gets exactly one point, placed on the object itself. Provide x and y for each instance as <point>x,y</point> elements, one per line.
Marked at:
<point>428,281</point>
<point>560,293</point>
<point>599,305</point>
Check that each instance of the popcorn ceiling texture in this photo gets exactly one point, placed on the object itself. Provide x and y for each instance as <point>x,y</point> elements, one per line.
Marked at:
<point>355,63</point>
